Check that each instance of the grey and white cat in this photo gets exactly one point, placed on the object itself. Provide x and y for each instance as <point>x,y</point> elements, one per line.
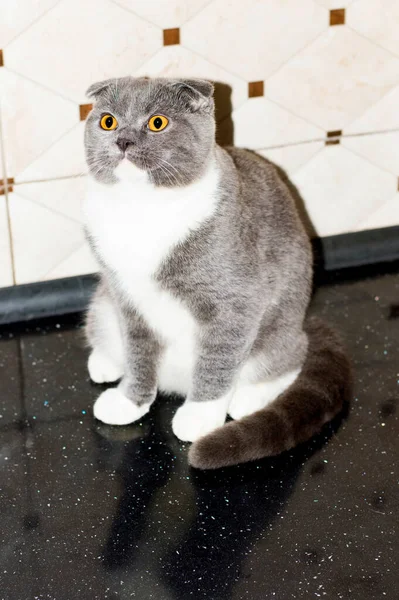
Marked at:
<point>205,279</point>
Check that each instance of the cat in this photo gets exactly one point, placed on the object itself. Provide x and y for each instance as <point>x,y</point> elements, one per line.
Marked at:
<point>206,276</point>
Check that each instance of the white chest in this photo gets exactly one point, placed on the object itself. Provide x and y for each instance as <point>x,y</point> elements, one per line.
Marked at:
<point>135,226</point>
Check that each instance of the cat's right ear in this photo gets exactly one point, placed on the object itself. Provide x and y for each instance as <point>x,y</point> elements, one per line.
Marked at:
<point>97,89</point>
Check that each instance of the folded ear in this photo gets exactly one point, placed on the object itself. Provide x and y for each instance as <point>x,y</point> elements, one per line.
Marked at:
<point>96,89</point>
<point>198,93</point>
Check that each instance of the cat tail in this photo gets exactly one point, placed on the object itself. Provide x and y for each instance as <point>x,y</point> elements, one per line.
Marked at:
<point>317,395</point>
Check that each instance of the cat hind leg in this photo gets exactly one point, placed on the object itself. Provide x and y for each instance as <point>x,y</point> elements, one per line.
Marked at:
<point>251,397</point>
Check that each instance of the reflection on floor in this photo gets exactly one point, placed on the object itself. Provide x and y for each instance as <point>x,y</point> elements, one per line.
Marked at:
<point>93,512</point>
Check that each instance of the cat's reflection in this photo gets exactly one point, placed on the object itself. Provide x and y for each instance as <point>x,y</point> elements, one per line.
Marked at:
<point>233,508</point>
<point>143,464</point>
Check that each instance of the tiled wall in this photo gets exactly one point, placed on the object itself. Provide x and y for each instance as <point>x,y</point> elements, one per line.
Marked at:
<point>315,87</point>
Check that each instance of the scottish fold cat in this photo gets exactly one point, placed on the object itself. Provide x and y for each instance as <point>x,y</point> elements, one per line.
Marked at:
<point>205,279</point>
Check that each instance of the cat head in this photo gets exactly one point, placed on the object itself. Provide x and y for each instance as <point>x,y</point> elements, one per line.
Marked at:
<point>162,127</point>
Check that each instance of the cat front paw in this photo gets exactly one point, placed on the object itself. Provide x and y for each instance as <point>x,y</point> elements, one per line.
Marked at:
<point>195,419</point>
<point>102,369</point>
<point>114,408</point>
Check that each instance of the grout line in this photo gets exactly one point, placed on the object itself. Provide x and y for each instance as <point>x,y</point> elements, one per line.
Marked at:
<point>363,219</point>
<point>395,85</point>
<point>197,12</point>
<point>52,144</point>
<point>288,110</point>
<point>49,179</point>
<point>364,133</point>
<point>52,210</point>
<point>32,23</point>
<point>132,12</point>
<point>393,55</point>
<point>41,85</point>
<point>46,277</point>
<point>10,237</point>
<point>370,162</point>
<point>303,48</point>
<point>7,201</point>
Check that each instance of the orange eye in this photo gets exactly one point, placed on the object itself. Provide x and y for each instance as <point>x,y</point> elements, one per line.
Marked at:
<point>157,123</point>
<point>108,122</point>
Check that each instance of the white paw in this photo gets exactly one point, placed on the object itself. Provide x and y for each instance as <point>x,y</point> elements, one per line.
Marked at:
<point>195,419</point>
<point>112,407</point>
<point>102,369</point>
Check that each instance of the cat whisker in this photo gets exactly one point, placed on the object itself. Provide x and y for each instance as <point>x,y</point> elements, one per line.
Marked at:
<point>166,174</point>
<point>166,166</point>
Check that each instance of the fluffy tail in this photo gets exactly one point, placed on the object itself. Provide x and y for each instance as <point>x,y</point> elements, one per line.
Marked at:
<point>316,396</point>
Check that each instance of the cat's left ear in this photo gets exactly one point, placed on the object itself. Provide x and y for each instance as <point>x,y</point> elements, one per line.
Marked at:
<point>96,89</point>
<point>198,93</point>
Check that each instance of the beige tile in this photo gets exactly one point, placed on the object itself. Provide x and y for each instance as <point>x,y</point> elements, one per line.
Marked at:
<point>340,189</point>
<point>335,79</point>
<point>33,118</point>
<point>80,262</point>
<point>42,239</point>
<point>381,116</point>
<point>6,278</point>
<point>253,38</point>
<point>164,13</point>
<point>260,123</point>
<point>17,15</point>
<point>380,149</point>
<point>64,158</point>
<point>176,61</point>
<point>63,196</point>
<point>377,20</point>
<point>291,158</point>
<point>89,41</point>
<point>385,216</point>
<point>333,4</point>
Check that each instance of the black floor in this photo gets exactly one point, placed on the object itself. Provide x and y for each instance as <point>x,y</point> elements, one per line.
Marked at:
<point>92,512</point>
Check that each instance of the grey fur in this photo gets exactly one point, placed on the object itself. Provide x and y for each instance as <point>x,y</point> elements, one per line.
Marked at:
<point>247,288</point>
<point>245,274</point>
<point>187,142</point>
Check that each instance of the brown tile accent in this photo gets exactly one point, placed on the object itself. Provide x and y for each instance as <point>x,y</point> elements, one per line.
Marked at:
<point>84,110</point>
<point>336,133</point>
<point>332,137</point>
<point>6,184</point>
<point>1,59</point>
<point>337,16</point>
<point>171,37</point>
<point>255,88</point>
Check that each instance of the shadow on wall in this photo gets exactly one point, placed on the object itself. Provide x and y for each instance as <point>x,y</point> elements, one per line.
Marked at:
<point>223,110</point>
<point>225,137</point>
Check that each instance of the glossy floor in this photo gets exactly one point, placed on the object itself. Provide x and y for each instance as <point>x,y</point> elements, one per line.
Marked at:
<point>94,512</point>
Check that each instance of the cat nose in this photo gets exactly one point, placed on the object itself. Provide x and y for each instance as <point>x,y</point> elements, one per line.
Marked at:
<point>124,143</point>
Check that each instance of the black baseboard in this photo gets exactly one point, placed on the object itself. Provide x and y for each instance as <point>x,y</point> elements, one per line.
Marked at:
<point>70,295</point>
<point>45,298</point>
<point>357,249</point>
